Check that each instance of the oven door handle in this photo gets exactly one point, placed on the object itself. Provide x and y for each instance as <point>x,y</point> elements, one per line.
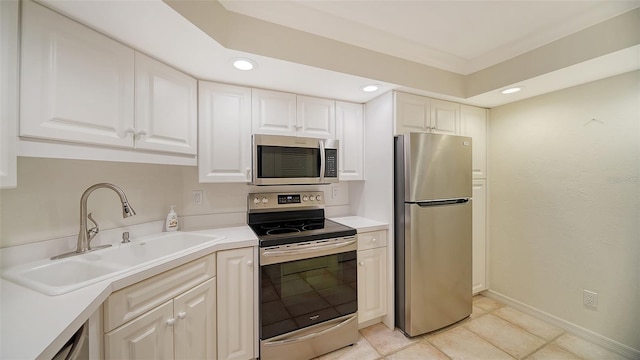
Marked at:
<point>312,335</point>
<point>307,250</point>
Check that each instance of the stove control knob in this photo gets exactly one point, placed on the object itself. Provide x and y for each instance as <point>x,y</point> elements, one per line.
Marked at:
<point>318,197</point>
<point>305,198</point>
<point>265,200</point>
<point>256,201</point>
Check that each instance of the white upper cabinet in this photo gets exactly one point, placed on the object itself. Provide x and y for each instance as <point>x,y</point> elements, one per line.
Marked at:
<point>9,11</point>
<point>350,134</point>
<point>278,113</point>
<point>415,113</point>
<point>273,112</point>
<point>445,117</point>
<point>166,116</point>
<point>474,124</point>
<point>77,85</point>
<point>224,133</point>
<point>316,117</point>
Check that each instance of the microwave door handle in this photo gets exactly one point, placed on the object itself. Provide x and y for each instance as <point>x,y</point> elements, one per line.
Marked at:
<point>322,161</point>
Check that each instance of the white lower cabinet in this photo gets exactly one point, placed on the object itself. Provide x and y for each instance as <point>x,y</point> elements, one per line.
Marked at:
<point>169,316</point>
<point>372,275</point>
<point>236,296</point>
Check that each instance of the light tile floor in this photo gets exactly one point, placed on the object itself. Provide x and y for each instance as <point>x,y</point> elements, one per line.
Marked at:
<point>493,331</point>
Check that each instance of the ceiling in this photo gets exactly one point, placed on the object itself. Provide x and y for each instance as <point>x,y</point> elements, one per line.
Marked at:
<point>459,50</point>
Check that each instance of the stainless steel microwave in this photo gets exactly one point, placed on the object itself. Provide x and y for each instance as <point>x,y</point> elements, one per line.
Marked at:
<point>290,160</point>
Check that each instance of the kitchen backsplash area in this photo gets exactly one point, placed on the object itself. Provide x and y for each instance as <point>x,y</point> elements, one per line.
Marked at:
<point>45,205</point>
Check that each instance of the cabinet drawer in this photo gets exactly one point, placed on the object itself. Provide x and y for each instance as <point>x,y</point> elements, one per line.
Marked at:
<point>132,301</point>
<point>372,239</point>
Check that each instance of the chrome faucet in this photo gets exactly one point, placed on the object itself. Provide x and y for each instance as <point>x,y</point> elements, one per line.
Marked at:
<point>86,235</point>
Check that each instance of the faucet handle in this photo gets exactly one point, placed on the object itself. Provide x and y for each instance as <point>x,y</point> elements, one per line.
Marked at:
<point>94,230</point>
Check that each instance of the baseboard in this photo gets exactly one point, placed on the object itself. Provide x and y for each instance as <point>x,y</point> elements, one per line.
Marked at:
<point>566,325</point>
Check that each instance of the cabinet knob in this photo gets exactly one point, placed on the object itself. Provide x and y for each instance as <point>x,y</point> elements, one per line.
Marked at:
<point>171,321</point>
<point>361,263</point>
<point>182,315</point>
<point>374,240</point>
<point>124,133</point>
<point>250,263</point>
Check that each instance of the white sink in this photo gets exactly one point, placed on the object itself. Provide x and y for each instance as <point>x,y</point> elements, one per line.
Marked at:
<point>55,277</point>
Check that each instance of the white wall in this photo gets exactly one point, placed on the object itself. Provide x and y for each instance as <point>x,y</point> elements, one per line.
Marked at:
<point>46,203</point>
<point>565,204</point>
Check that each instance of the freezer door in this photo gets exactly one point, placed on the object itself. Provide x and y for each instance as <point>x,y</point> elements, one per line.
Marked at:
<point>437,266</point>
<point>436,166</point>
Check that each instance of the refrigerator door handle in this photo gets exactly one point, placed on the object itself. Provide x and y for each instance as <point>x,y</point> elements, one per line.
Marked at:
<point>442,202</point>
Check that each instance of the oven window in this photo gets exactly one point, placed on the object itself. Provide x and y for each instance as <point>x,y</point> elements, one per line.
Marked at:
<point>305,292</point>
<point>288,162</point>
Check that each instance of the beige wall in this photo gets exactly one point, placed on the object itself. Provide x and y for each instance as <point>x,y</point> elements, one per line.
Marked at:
<point>45,205</point>
<point>565,204</point>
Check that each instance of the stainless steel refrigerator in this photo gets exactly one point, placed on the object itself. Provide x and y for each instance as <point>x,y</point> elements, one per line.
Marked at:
<point>432,231</point>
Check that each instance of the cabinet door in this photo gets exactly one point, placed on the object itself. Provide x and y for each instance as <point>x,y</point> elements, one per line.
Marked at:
<point>9,20</point>
<point>273,112</point>
<point>236,304</point>
<point>195,328</point>
<point>445,117</point>
<point>76,84</point>
<point>149,336</point>
<point>372,284</point>
<point>474,124</point>
<point>316,117</point>
<point>412,113</point>
<point>224,133</point>
<point>166,108</point>
<point>479,235</point>
<point>350,134</point>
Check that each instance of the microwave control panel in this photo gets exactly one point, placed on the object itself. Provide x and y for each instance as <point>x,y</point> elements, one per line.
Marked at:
<point>331,163</point>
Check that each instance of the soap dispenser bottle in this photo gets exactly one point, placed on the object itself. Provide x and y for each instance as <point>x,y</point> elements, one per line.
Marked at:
<point>172,220</point>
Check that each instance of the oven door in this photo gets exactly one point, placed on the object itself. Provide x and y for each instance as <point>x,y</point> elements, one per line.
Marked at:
<point>305,286</point>
<point>289,160</point>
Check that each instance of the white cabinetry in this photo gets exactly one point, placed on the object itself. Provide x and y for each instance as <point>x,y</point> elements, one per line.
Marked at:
<point>372,275</point>
<point>9,11</point>
<point>171,315</point>
<point>77,85</point>
<point>224,133</point>
<point>474,125</point>
<point>350,133</point>
<point>415,113</point>
<point>278,113</point>
<point>236,296</point>
<point>479,221</point>
<point>81,87</point>
<point>166,116</point>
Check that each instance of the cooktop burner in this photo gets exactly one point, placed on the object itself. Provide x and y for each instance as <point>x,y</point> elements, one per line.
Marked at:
<point>279,219</point>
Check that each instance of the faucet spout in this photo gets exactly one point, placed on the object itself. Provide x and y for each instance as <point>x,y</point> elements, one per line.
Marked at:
<point>86,235</point>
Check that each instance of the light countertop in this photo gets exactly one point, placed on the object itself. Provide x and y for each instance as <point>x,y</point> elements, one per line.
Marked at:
<point>34,325</point>
<point>361,224</point>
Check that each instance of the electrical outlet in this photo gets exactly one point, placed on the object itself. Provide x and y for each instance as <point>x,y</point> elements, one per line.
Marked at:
<point>334,192</point>
<point>197,196</point>
<point>590,298</point>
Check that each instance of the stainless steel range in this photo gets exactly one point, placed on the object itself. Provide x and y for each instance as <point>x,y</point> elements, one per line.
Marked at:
<point>308,276</point>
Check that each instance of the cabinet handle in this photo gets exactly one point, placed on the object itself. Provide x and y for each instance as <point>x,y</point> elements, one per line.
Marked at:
<point>182,315</point>
<point>141,133</point>
<point>250,263</point>
<point>374,240</point>
<point>361,263</point>
<point>126,132</point>
<point>249,174</point>
<point>171,321</point>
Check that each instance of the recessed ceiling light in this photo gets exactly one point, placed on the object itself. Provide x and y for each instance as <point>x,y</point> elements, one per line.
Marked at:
<point>370,88</point>
<point>244,64</point>
<point>512,90</point>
